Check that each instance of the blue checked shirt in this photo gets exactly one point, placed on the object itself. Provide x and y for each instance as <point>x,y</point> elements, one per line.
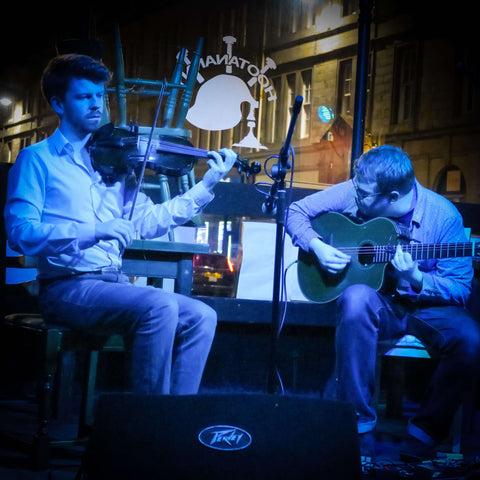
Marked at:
<point>435,220</point>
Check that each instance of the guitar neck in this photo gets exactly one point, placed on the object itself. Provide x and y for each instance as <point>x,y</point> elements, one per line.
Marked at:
<point>441,250</point>
<point>425,251</point>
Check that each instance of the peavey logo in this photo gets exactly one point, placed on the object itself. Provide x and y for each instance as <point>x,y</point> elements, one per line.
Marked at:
<point>225,437</point>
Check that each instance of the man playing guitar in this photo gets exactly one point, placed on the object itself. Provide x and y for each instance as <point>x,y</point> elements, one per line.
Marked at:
<point>425,296</point>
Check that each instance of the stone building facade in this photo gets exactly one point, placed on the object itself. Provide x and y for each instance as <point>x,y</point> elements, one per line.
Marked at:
<point>422,89</point>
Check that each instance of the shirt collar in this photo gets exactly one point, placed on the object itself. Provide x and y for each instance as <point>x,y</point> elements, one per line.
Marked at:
<point>407,218</point>
<point>419,204</point>
<point>60,142</point>
<point>64,147</point>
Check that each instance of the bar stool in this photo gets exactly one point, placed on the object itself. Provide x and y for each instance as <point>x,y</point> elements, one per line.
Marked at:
<point>411,347</point>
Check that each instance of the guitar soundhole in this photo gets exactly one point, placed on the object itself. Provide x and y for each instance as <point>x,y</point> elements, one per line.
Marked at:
<point>366,254</point>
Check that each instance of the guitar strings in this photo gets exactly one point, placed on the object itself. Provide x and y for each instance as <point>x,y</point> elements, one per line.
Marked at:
<point>426,246</point>
<point>419,250</point>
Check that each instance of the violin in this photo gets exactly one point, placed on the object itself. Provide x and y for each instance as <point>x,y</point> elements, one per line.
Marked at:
<point>116,152</point>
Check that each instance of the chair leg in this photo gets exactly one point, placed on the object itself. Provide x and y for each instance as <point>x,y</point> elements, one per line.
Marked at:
<point>88,395</point>
<point>394,384</point>
<point>64,383</point>
<point>396,388</point>
<point>41,448</point>
<point>378,381</point>
<point>456,430</point>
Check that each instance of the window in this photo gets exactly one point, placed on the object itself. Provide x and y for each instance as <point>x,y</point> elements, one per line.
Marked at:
<point>285,18</point>
<point>41,135</point>
<point>292,16</point>
<point>464,96</point>
<point>450,183</point>
<point>349,7</point>
<point>290,100</point>
<point>305,115</point>
<point>345,87</point>
<point>25,142</point>
<point>238,24</point>
<point>28,103</point>
<point>272,111</point>
<point>303,15</point>
<point>291,88</point>
<point>278,111</point>
<point>404,83</point>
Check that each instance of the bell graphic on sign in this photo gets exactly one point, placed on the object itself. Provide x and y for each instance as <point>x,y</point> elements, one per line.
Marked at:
<point>218,105</point>
<point>218,102</point>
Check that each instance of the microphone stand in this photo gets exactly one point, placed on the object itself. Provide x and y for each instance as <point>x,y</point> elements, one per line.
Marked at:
<point>277,201</point>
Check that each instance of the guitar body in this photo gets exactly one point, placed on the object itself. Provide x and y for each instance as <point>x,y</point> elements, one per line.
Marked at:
<point>340,232</point>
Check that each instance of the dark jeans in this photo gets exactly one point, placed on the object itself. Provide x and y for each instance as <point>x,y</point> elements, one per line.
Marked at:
<point>366,318</point>
<point>171,334</point>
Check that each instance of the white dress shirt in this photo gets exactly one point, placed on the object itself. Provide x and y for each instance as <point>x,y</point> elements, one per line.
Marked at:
<point>55,198</point>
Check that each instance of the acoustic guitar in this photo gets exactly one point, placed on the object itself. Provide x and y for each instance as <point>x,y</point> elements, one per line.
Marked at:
<point>371,246</point>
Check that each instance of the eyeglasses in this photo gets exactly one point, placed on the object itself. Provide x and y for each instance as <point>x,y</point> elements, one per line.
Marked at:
<point>362,195</point>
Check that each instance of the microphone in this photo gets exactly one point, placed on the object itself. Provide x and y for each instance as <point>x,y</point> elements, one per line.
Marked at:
<point>284,152</point>
<point>270,204</point>
<point>297,105</point>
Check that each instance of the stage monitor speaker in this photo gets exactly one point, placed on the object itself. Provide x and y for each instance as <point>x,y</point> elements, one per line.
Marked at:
<point>222,436</point>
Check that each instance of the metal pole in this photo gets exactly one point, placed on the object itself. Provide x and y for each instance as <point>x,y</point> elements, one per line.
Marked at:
<point>358,133</point>
<point>120,79</point>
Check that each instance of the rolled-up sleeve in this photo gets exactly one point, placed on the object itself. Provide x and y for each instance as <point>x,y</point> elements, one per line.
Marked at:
<point>154,220</point>
<point>336,198</point>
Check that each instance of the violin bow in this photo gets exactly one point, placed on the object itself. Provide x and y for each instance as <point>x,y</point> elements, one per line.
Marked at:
<point>147,150</point>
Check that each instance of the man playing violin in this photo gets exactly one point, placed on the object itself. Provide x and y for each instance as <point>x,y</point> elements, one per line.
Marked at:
<point>60,211</point>
<point>427,298</point>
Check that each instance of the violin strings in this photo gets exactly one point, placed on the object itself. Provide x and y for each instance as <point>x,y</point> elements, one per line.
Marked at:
<point>177,148</point>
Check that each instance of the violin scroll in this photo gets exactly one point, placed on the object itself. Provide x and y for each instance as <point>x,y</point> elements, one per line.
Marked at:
<point>243,166</point>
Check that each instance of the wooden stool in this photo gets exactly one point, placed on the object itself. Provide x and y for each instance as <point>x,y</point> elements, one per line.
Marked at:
<point>410,346</point>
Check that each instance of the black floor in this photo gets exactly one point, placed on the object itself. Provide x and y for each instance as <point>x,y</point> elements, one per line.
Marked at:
<point>17,430</point>
<point>237,364</point>
<point>17,417</point>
